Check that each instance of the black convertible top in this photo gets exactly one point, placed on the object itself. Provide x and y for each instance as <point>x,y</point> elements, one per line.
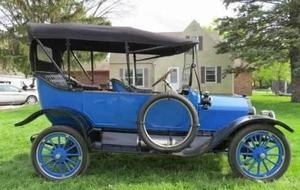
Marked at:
<point>107,39</point>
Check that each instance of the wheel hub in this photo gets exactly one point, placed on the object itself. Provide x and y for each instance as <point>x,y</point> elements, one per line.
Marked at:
<point>262,156</point>
<point>259,153</point>
<point>59,154</point>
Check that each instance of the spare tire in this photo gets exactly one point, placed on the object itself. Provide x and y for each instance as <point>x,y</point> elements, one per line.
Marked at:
<point>164,101</point>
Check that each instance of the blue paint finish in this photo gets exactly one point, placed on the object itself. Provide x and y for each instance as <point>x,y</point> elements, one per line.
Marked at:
<point>175,117</point>
<point>117,87</point>
<point>114,109</point>
<point>104,109</point>
<point>51,97</point>
<point>194,98</point>
<point>119,109</point>
<point>223,111</point>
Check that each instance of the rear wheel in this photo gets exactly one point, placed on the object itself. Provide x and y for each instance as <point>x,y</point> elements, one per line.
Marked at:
<point>31,99</point>
<point>259,152</point>
<point>59,153</point>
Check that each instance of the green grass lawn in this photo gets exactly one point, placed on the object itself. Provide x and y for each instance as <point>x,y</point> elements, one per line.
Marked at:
<point>122,171</point>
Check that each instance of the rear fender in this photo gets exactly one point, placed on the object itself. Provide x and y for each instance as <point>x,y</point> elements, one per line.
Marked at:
<point>63,116</point>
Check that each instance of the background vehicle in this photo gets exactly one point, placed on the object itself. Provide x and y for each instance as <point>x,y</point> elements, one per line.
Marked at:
<point>12,95</point>
<point>19,81</point>
<point>123,118</point>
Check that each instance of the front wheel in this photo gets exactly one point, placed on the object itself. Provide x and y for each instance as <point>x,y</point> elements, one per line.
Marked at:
<point>59,152</point>
<point>259,152</point>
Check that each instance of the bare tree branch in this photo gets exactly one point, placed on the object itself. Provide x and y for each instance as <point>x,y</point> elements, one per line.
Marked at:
<point>98,6</point>
<point>14,14</point>
<point>104,8</point>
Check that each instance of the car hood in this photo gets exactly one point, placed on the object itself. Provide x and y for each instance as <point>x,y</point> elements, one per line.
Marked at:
<point>223,111</point>
<point>231,103</point>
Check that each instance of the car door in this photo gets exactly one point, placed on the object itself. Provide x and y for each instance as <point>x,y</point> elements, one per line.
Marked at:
<point>113,109</point>
<point>3,95</point>
<point>11,95</point>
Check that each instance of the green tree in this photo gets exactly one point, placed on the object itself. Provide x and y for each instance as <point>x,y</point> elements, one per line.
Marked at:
<point>273,72</point>
<point>262,77</point>
<point>263,32</point>
<point>15,14</point>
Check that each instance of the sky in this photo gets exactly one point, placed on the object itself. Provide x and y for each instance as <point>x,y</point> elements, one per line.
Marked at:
<point>170,15</point>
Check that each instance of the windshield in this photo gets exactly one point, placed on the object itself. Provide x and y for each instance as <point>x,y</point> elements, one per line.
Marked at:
<point>186,71</point>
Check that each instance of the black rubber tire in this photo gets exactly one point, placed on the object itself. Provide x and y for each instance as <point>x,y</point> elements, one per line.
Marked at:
<point>31,96</point>
<point>194,131</point>
<point>245,131</point>
<point>72,132</point>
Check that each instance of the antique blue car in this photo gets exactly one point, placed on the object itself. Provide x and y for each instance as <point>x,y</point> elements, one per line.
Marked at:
<point>119,117</point>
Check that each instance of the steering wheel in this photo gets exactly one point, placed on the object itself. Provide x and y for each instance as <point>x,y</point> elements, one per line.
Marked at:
<point>164,79</point>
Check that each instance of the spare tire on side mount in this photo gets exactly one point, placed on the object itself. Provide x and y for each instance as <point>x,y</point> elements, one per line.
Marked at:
<point>165,101</point>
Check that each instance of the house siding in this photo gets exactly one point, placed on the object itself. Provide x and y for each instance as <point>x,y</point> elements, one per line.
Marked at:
<point>162,65</point>
<point>207,57</point>
<point>115,69</point>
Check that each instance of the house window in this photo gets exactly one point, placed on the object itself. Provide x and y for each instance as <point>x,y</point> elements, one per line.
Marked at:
<point>199,39</point>
<point>210,74</point>
<point>126,76</point>
<point>174,76</point>
<point>139,81</point>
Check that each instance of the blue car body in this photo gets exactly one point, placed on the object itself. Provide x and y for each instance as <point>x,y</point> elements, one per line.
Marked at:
<point>118,109</point>
<point>118,117</point>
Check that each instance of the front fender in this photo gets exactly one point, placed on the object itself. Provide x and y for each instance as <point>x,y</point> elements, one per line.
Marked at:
<point>246,121</point>
<point>236,125</point>
<point>63,116</point>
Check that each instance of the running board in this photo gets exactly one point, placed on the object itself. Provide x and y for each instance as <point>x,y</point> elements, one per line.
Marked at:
<point>132,143</point>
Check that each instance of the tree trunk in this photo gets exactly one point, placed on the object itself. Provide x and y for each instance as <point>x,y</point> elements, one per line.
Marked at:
<point>260,83</point>
<point>295,73</point>
<point>295,51</point>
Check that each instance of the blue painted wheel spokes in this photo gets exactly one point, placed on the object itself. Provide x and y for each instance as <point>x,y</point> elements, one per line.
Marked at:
<point>260,154</point>
<point>59,155</point>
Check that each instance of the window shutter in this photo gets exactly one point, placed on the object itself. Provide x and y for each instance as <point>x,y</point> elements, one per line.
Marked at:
<point>202,74</point>
<point>200,39</point>
<point>121,74</point>
<point>146,78</point>
<point>219,74</point>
